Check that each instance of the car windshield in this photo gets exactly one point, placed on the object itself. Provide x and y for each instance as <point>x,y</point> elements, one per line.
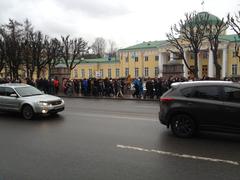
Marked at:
<point>28,91</point>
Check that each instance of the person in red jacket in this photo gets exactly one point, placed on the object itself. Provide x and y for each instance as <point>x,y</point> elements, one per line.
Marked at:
<point>56,85</point>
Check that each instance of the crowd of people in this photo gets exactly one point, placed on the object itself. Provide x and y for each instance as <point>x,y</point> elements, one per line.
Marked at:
<point>95,87</point>
<point>150,88</point>
<point>108,87</point>
<point>49,86</point>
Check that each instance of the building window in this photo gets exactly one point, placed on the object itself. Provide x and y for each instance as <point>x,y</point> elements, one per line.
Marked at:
<point>90,73</point>
<point>75,73</point>
<point>190,73</point>
<point>156,58</point>
<point>219,54</point>
<point>136,72</point>
<point>146,74</point>
<point>156,71</point>
<point>133,55</point>
<point>109,73</point>
<point>101,73</point>
<point>191,55</point>
<point>205,70</point>
<point>234,69</point>
<point>117,72</point>
<point>146,58</point>
<point>126,59</point>
<point>83,73</point>
<point>234,54</point>
<point>205,54</point>
<point>136,59</point>
<point>126,72</point>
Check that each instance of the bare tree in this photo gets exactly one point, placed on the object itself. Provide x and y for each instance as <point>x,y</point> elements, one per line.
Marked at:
<point>21,45</point>
<point>2,53</point>
<point>73,51</point>
<point>234,23</point>
<point>177,43</point>
<point>214,29</point>
<point>236,49</point>
<point>192,33</point>
<point>38,53</point>
<point>12,34</point>
<point>53,50</point>
<point>99,46</point>
<point>26,48</point>
<point>112,48</point>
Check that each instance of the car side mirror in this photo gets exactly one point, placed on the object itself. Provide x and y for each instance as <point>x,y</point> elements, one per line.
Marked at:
<point>14,95</point>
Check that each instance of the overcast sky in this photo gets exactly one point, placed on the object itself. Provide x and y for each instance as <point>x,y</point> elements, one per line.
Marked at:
<point>126,22</point>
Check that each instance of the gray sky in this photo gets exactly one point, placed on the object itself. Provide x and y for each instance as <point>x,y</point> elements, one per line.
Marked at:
<point>126,22</point>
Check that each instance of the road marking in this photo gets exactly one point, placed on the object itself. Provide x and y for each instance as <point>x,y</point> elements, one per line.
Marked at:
<point>178,155</point>
<point>112,116</point>
<point>148,107</point>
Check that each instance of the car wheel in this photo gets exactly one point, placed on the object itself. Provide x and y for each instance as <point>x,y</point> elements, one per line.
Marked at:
<point>183,125</point>
<point>27,112</point>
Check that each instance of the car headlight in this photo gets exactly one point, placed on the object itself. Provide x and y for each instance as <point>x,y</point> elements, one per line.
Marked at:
<point>42,103</point>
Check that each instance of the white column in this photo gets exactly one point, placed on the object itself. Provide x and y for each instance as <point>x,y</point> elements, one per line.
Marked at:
<point>210,64</point>
<point>199,66</point>
<point>224,63</point>
<point>171,56</point>
<point>160,64</point>
<point>185,69</point>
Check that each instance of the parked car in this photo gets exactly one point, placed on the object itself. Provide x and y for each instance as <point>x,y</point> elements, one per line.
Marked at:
<point>28,100</point>
<point>201,105</point>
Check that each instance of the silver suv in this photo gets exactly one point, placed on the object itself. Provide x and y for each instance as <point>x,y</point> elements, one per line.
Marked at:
<point>28,100</point>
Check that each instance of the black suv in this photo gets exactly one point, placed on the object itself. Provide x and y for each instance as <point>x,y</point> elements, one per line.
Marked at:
<point>201,105</point>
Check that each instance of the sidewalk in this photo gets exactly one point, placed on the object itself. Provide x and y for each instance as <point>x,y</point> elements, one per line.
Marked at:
<point>125,97</point>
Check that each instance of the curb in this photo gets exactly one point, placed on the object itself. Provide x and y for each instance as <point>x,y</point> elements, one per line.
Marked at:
<point>109,98</point>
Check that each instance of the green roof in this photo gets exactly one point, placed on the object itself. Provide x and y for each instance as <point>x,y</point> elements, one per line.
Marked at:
<point>100,60</point>
<point>158,44</point>
<point>212,19</point>
<point>231,38</point>
<point>146,45</point>
<point>92,61</point>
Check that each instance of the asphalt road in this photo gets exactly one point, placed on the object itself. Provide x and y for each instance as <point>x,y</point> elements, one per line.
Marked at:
<point>111,140</point>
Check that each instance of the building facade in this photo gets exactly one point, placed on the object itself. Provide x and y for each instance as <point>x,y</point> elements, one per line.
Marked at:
<point>151,59</point>
<point>161,53</point>
<point>97,68</point>
<point>148,59</point>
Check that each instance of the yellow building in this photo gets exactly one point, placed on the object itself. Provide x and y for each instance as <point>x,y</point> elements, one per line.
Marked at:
<point>137,61</point>
<point>23,74</point>
<point>148,58</point>
<point>141,60</point>
<point>98,68</point>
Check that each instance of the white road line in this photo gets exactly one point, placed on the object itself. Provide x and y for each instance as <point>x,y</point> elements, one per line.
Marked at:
<point>148,107</point>
<point>178,155</point>
<point>112,116</point>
